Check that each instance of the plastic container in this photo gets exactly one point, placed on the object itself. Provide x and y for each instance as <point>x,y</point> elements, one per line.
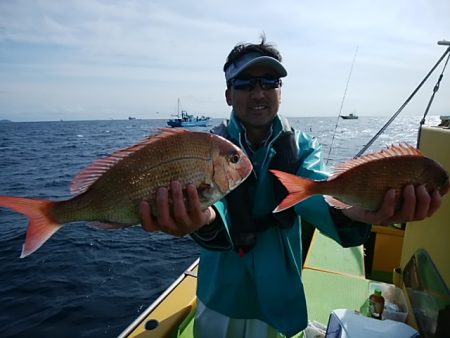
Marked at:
<point>345,323</point>
<point>394,299</point>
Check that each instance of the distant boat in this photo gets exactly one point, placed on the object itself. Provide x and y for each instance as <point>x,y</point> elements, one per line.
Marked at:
<point>350,116</point>
<point>187,120</point>
<point>131,118</point>
<point>445,121</point>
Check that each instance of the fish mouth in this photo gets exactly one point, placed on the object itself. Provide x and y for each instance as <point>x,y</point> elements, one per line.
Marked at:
<point>244,173</point>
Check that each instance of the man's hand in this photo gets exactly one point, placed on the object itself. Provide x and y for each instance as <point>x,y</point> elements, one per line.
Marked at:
<point>417,205</point>
<point>176,218</point>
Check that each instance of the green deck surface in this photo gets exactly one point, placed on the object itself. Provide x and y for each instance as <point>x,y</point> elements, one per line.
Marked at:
<point>326,292</point>
<point>327,255</point>
<point>186,329</point>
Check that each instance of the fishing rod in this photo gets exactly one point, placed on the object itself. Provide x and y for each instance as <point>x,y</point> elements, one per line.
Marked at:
<point>435,90</point>
<point>342,103</point>
<point>442,43</point>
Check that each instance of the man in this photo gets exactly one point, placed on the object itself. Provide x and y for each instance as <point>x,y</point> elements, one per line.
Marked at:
<point>249,282</point>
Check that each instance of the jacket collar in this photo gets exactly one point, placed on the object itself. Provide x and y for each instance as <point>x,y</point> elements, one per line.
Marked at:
<point>237,131</point>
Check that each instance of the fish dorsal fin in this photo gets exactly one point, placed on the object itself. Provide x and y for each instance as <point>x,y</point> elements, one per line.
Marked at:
<point>99,167</point>
<point>391,151</point>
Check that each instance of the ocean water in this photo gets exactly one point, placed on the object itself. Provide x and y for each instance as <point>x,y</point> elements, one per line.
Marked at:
<point>86,282</point>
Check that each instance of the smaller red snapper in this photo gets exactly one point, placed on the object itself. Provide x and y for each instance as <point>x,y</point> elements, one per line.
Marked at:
<point>364,181</point>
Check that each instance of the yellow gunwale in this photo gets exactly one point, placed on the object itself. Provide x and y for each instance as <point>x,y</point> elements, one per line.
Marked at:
<point>169,310</point>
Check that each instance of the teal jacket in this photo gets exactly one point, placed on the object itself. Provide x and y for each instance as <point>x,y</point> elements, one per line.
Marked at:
<point>266,283</point>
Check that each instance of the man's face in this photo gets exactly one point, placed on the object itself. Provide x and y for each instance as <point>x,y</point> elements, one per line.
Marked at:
<point>257,107</point>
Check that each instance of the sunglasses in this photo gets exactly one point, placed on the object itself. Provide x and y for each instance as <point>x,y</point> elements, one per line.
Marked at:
<point>248,84</point>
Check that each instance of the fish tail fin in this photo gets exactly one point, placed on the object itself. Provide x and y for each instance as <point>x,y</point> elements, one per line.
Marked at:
<point>41,225</point>
<point>299,188</point>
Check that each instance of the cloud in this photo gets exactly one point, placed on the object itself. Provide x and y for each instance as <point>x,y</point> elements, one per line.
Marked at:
<point>120,50</point>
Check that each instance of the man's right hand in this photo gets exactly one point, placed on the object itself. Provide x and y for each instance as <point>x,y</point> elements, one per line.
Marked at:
<point>177,218</point>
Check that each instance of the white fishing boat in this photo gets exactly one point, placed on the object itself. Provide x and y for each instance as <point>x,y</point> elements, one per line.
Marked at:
<point>185,120</point>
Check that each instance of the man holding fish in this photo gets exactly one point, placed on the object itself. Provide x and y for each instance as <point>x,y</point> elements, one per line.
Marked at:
<point>242,193</point>
<point>249,282</point>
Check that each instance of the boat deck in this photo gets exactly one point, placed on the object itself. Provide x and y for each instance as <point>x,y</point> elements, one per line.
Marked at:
<point>333,278</point>
<point>326,255</point>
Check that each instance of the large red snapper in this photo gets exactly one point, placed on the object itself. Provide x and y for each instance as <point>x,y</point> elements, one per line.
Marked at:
<point>364,181</point>
<point>110,189</point>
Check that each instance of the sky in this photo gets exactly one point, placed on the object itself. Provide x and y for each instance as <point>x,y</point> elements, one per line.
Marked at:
<point>109,59</point>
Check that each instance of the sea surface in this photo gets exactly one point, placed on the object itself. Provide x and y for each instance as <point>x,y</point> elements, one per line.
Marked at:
<point>86,282</point>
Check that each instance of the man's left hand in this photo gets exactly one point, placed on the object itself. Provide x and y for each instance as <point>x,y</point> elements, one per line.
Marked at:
<point>417,205</point>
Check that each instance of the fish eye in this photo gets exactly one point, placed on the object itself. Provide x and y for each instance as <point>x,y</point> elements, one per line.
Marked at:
<point>234,158</point>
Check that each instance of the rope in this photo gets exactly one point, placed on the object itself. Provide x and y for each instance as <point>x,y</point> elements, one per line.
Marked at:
<point>362,151</point>
<point>435,90</point>
<point>342,104</point>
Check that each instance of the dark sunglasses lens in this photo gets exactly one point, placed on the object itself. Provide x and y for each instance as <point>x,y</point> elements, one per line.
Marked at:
<point>243,84</point>
<point>250,83</point>
<point>269,83</point>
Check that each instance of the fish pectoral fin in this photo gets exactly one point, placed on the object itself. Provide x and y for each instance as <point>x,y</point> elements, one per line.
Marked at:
<point>336,203</point>
<point>108,225</point>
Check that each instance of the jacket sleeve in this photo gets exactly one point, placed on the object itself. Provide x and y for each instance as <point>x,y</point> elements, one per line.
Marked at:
<point>215,236</point>
<point>330,221</point>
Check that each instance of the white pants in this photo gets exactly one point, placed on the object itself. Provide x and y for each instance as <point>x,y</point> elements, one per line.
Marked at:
<point>211,324</point>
